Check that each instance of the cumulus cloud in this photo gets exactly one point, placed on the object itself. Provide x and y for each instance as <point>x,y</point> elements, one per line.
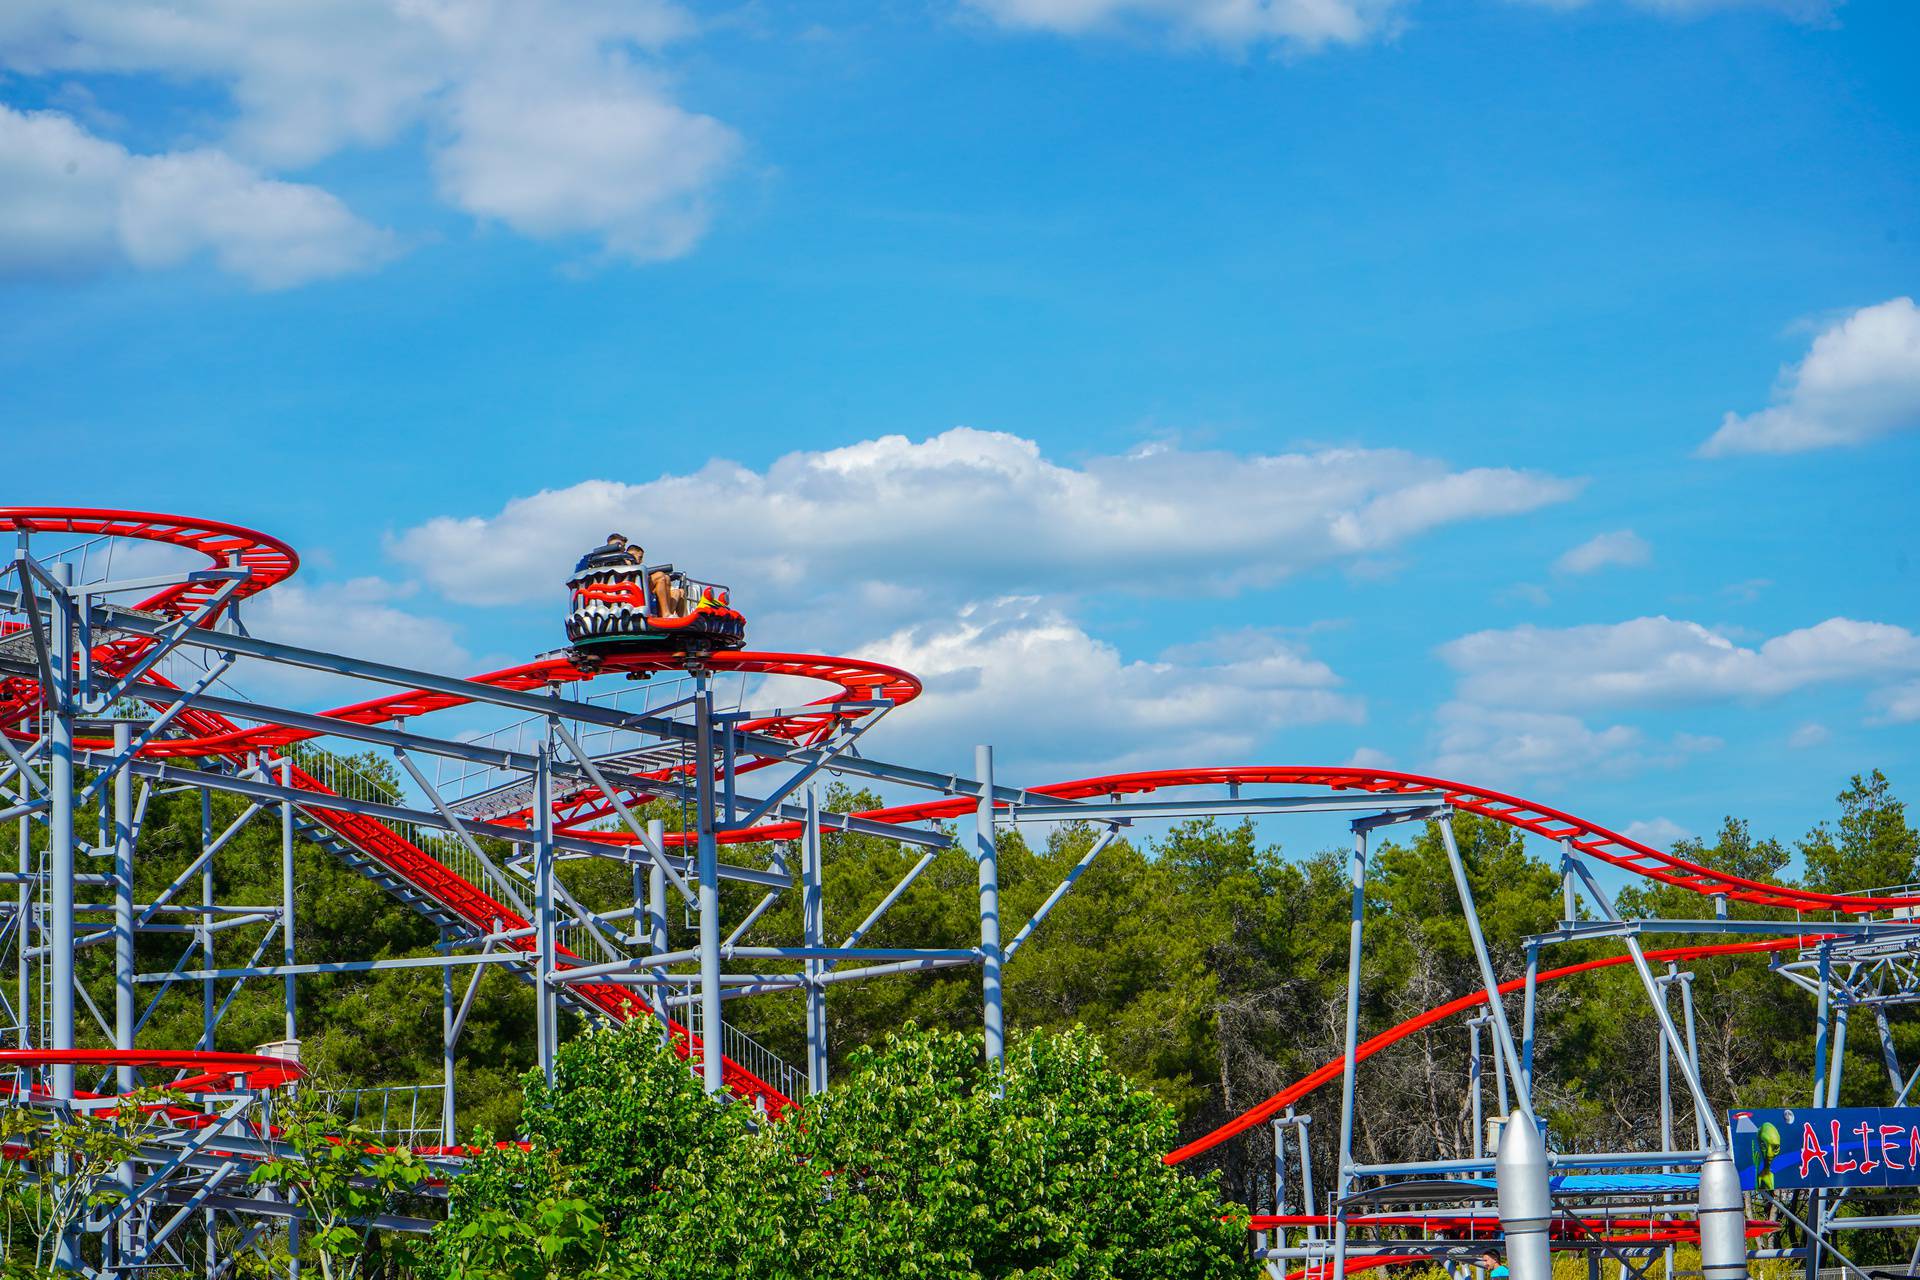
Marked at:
<point>1307,24</point>
<point>72,202</point>
<point>892,524</point>
<point>1495,744</point>
<point>362,617</point>
<point>552,118</point>
<point>1859,381</point>
<point>1898,705</point>
<point>1623,547</point>
<point>1660,660</point>
<point>1021,673</point>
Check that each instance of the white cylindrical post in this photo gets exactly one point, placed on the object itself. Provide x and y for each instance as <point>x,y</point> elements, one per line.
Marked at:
<point>1526,1202</point>
<point>1723,1220</point>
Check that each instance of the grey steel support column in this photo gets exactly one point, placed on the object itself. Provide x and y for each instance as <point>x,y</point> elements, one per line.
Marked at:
<point>1526,1205</point>
<point>203,932</point>
<point>60,833</point>
<point>657,918</point>
<point>1837,1063</point>
<point>447,1126</point>
<point>986,855</point>
<point>1693,1054</point>
<point>1820,1017</point>
<point>711,1073</point>
<point>1888,1057</point>
<point>1478,1085</point>
<point>1723,1220</point>
<point>1666,1080</point>
<point>543,997</point>
<point>1529,1004</point>
<point>123,966</point>
<point>813,918</point>
<point>1304,1124</point>
<point>125,1078</point>
<point>1357,869</point>
<point>1509,1058</point>
<point>24,926</point>
<point>286,898</point>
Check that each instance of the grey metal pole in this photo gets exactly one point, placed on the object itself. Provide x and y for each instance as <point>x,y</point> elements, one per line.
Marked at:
<point>1666,1081</point>
<point>1529,1003</point>
<point>1496,1006</point>
<point>60,831</point>
<point>814,931</point>
<point>543,1000</point>
<point>711,1065</point>
<point>123,967</point>
<point>986,855</point>
<point>1836,1064</point>
<point>447,1127</point>
<point>1820,1015</point>
<point>1357,869</point>
<point>657,918</point>
<point>204,928</point>
<point>1693,1055</point>
<point>1478,1086</point>
<point>24,902</point>
<point>125,1078</point>
<point>286,899</point>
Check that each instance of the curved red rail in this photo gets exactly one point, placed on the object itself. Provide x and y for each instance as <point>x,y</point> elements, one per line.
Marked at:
<point>1337,1068</point>
<point>856,680</point>
<point>260,1071</point>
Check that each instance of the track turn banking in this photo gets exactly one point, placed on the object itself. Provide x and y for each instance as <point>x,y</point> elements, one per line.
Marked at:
<point>121,644</point>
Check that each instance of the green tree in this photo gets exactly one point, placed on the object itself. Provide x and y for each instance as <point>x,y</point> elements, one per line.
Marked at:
<point>921,1162</point>
<point>1874,847</point>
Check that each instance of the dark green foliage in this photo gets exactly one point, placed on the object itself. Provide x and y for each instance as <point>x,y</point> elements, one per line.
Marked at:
<point>920,1163</point>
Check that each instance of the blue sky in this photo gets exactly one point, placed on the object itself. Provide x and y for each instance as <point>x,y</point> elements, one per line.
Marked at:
<point>1169,381</point>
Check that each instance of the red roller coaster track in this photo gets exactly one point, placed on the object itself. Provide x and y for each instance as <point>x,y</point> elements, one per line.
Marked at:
<point>270,561</point>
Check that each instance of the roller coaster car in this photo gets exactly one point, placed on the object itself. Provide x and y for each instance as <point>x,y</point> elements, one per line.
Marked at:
<point>614,609</point>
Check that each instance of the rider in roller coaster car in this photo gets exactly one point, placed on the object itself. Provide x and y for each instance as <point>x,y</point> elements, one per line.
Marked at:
<point>620,602</point>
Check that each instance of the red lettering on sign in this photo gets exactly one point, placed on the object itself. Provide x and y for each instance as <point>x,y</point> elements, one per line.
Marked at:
<point>1889,1136</point>
<point>1810,1150</point>
<point>1839,1165</point>
<point>1867,1163</point>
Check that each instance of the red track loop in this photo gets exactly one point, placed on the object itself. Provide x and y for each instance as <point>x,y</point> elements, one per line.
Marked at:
<point>268,560</point>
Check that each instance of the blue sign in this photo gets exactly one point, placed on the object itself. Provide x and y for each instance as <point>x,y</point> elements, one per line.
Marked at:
<point>1790,1148</point>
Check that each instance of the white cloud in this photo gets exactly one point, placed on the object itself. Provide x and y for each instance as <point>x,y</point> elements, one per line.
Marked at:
<point>1370,758</point>
<point>1234,24</point>
<point>1020,673</point>
<point>897,525</point>
<point>1898,705</point>
<point>1494,744</point>
<point>1809,734</point>
<point>1661,660</point>
<point>361,618</point>
<point>609,157</point>
<point>71,201</point>
<point>1622,547</point>
<point>1811,11</point>
<point>549,117</point>
<point>1660,833</point>
<point>1860,380</point>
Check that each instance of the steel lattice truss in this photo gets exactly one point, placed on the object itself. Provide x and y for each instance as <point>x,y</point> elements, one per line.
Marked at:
<point>112,687</point>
